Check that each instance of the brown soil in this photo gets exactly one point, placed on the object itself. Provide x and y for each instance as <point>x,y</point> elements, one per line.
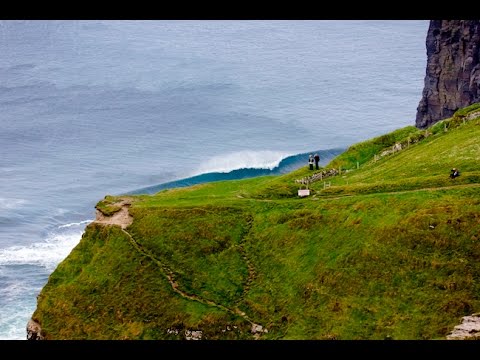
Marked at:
<point>121,218</point>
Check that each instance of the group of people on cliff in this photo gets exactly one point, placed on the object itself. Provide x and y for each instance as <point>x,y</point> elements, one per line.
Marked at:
<point>313,160</point>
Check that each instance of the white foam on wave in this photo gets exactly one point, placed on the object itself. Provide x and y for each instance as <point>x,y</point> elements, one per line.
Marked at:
<point>60,211</point>
<point>6,204</point>
<point>46,254</point>
<point>247,159</point>
<point>19,293</point>
<point>14,318</point>
<point>13,290</point>
<point>18,303</point>
<point>75,224</point>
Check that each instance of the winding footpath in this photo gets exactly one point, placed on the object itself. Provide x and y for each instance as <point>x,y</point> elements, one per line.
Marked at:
<point>123,219</point>
<point>470,327</point>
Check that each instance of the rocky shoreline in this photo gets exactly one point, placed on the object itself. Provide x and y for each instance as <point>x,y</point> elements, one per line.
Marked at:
<point>34,331</point>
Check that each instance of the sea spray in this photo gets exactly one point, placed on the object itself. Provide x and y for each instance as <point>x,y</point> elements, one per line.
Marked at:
<point>44,254</point>
<point>247,159</point>
<point>35,262</point>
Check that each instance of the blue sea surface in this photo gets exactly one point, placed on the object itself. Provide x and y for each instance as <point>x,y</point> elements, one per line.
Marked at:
<point>90,108</point>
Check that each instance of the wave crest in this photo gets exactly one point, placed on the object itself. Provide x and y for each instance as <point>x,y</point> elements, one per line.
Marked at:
<point>7,204</point>
<point>46,254</point>
<point>247,159</point>
<point>75,224</point>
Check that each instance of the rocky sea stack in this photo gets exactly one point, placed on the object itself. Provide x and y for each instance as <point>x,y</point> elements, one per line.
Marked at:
<point>452,79</point>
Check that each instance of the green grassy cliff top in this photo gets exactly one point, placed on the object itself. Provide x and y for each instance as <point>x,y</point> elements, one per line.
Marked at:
<point>387,248</point>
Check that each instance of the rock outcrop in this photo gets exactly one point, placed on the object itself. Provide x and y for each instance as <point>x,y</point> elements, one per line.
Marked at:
<point>34,331</point>
<point>452,79</point>
<point>469,329</point>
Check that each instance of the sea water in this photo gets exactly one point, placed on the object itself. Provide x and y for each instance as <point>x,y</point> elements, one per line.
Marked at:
<point>90,108</point>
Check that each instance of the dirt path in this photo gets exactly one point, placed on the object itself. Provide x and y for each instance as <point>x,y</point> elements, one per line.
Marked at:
<point>330,197</point>
<point>429,189</point>
<point>123,219</point>
<point>251,268</point>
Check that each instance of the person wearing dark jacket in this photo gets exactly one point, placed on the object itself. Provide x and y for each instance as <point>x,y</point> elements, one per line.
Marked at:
<point>311,161</point>
<point>454,173</point>
<point>317,159</point>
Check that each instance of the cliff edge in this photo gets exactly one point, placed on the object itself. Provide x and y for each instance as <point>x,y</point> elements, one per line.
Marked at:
<point>452,79</point>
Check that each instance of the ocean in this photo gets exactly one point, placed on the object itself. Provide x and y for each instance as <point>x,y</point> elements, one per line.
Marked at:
<point>95,108</point>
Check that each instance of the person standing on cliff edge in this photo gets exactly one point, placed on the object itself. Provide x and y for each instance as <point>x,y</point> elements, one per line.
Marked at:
<point>317,159</point>
<point>311,161</point>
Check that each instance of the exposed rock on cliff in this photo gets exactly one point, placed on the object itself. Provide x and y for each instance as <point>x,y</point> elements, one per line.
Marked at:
<point>34,331</point>
<point>452,77</point>
<point>468,329</point>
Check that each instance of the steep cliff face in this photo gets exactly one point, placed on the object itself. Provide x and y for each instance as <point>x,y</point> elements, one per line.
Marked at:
<point>452,77</point>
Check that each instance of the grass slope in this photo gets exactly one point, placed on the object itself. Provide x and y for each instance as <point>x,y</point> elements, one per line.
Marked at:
<point>390,249</point>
